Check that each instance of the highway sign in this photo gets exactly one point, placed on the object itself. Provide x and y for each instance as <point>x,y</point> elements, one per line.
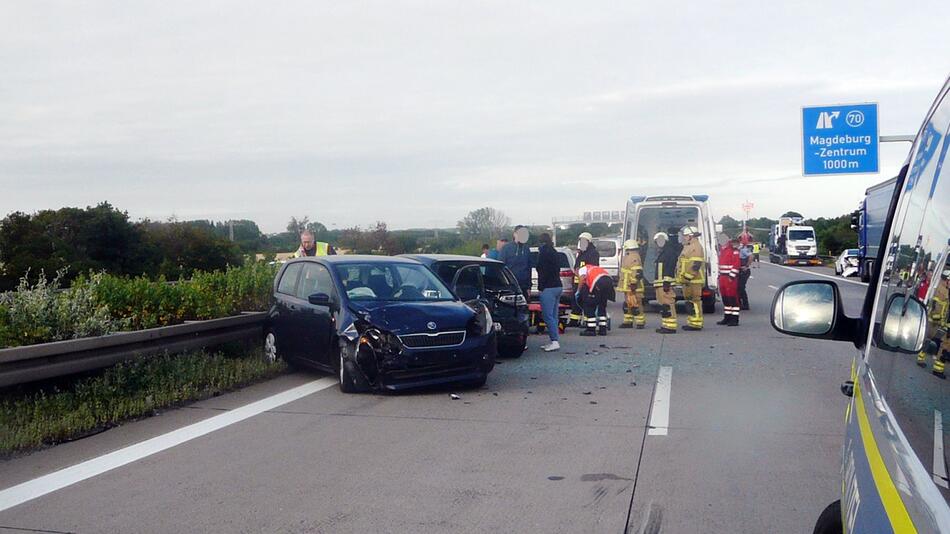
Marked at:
<point>840,139</point>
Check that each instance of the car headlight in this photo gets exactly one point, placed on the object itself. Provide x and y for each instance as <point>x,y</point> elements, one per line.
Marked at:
<point>482,324</point>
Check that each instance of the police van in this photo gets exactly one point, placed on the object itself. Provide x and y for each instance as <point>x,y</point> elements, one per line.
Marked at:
<point>894,465</point>
<point>647,215</point>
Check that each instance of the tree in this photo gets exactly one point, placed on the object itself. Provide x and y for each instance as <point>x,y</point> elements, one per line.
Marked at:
<point>487,223</point>
<point>93,238</point>
<point>297,226</point>
<point>792,214</point>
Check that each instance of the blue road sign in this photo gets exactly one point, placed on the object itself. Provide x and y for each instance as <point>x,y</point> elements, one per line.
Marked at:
<point>840,139</point>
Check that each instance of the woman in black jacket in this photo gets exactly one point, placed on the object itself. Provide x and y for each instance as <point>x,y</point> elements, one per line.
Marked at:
<point>550,289</point>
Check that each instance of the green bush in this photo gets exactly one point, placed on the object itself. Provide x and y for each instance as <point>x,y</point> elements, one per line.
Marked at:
<point>99,304</point>
<point>31,418</point>
<point>44,312</point>
<point>147,303</point>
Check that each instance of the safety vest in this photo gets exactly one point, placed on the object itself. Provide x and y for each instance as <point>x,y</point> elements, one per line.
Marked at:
<point>595,273</point>
<point>321,248</point>
<point>630,267</point>
<point>691,267</point>
<point>755,248</point>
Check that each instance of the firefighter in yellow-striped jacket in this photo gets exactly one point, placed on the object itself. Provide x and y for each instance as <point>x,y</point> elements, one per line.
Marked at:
<point>631,283</point>
<point>691,273</point>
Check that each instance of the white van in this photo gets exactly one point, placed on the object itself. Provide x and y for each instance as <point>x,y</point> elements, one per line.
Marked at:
<point>609,249</point>
<point>646,216</point>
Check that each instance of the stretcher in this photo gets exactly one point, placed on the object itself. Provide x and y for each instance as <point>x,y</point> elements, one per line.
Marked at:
<point>535,319</point>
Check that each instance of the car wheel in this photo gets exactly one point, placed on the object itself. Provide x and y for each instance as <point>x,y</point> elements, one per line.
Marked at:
<point>345,372</point>
<point>829,522</point>
<point>510,350</point>
<point>270,347</point>
<point>479,382</point>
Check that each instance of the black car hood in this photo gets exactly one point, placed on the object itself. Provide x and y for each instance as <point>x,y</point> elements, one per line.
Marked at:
<point>413,317</point>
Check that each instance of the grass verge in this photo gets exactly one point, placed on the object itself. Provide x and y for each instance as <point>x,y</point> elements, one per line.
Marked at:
<point>47,414</point>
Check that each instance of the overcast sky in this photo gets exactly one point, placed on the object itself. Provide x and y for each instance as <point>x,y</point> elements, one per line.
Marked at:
<point>416,112</point>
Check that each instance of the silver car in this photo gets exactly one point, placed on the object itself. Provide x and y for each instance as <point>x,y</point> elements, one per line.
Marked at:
<point>565,264</point>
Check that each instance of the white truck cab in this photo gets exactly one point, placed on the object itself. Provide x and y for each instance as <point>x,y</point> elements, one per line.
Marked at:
<point>801,243</point>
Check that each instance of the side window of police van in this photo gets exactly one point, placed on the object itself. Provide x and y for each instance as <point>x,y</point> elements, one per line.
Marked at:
<point>909,351</point>
<point>288,280</point>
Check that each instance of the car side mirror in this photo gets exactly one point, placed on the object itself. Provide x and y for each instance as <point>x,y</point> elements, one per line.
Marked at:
<point>904,327</point>
<point>319,299</point>
<point>808,308</point>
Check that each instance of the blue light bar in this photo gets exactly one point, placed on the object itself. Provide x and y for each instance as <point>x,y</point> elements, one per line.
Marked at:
<point>636,199</point>
<point>701,198</point>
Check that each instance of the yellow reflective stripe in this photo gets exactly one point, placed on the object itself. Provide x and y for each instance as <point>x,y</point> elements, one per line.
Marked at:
<point>893,505</point>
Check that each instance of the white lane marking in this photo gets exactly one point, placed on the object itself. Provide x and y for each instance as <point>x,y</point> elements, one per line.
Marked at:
<point>773,287</point>
<point>940,461</point>
<point>838,278</point>
<point>660,413</point>
<point>56,480</point>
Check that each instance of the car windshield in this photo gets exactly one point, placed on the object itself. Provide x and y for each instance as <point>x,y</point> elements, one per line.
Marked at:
<point>401,282</point>
<point>801,235</point>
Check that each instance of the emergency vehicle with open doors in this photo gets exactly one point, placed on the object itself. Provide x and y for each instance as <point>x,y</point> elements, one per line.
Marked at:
<point>646,216</point>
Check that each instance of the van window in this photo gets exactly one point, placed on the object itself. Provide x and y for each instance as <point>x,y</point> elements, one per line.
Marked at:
<point>288,280</point>
<point>606,248</point>
<point>916,269</point>
<point>668,219</point>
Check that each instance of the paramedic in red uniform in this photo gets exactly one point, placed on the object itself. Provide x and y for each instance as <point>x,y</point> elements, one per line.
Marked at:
<point>729,266</point>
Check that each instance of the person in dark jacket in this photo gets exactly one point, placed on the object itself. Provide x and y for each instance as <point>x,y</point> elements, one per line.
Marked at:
<point>550,289</point>
<point>517,256</point>
<point>664,278</point>
<point>666,257</point>
<point>586,255</point>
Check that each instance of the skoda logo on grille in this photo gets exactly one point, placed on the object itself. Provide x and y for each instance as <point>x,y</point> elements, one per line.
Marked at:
<point>432,326</point>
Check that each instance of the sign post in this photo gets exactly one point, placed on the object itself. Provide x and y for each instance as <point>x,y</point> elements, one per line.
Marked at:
<point>840,139</point>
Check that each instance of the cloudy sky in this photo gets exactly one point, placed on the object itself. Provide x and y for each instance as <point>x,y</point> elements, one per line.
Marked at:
<point>416,112</point>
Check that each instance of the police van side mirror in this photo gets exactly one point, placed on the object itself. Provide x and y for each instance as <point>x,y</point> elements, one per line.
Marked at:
<point>812,309</point>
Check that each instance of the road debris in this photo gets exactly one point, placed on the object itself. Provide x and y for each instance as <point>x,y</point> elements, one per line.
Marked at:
<point>455,396</point>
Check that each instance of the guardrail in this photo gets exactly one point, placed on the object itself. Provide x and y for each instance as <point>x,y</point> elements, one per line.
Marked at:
<point>19,365</point>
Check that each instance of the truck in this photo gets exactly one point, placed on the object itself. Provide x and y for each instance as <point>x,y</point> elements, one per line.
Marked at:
<point>868,220</point>
<point>793,243</point>
<point>645,216</point>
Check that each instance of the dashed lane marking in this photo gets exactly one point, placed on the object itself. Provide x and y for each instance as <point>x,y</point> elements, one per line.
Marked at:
<point>660,413</point>
<point>56,480</point>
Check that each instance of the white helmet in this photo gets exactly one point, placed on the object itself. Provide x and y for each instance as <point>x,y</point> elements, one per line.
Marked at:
<point>631,244</point>
<point>586,235</point>
<point>661,235</point>
<point>691,230</point>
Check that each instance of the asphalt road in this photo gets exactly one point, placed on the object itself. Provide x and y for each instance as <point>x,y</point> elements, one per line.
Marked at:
<point>574,441</point>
